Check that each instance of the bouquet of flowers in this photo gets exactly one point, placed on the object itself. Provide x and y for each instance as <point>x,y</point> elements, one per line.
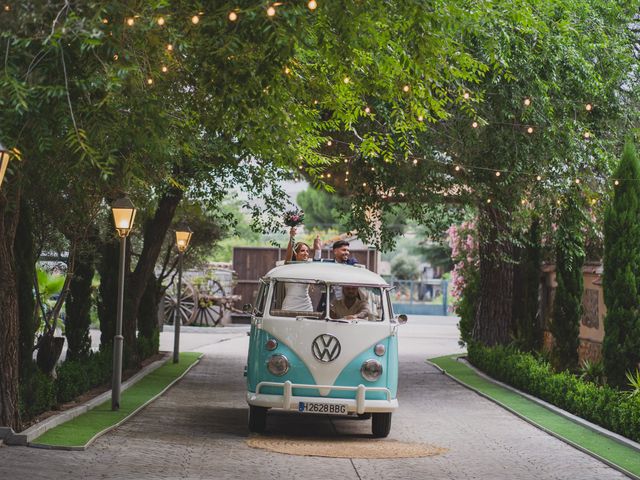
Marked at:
<point>293,218</point>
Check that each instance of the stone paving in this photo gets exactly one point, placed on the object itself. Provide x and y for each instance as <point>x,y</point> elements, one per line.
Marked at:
<point>198,430</point>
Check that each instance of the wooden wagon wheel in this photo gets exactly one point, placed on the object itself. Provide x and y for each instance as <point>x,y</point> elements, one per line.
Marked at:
<point>188,298</point>
<point>211,305</point>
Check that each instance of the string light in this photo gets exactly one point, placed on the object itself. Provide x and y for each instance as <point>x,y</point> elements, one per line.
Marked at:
<point>233,16</point>
<point>527,101</point>
<point>488,200</point>
<point>420,118</point>
<point>367,110</point>
<point>104,20</point>
<point>530,130</point>
<point>164,69</point>
<point>347,172</point>
<point>593,201</point>
<point>415,161</point>
<point>169,47</point>
<point>287,71</point>
<point>364,184</point>
<point>466,95</point>
<point>406,88</point>
<point>538,178</point>
<point>160,21</point>
<point>474,125</point>
<point>195,19</point>
<point>588,107</point>
<point>497,174</point>
<point>312,5</point>
<point>577,181</point>
<point>457,168</point>
<point>373,169</point>
<point>328,175</point>
<point>130,21</point>
<point>7,8</point>
<point>150,81</point>
<point>115,56</point>
<point>271,11</point>
<point>616,182</point>
<point>346,79</point>
<point>587,136</point>
<point>329,143</point>
<point>523,201</point>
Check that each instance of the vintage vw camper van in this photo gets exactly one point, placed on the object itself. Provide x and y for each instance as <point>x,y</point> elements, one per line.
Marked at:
<point>324,341</point>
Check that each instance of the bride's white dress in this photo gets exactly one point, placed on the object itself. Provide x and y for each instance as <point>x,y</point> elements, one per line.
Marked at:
<point>297,297</point>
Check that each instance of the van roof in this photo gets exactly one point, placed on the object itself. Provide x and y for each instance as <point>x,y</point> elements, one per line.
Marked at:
<point>326,272</point>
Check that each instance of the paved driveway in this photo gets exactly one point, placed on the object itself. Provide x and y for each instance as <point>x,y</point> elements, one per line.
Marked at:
<point>198,430</point>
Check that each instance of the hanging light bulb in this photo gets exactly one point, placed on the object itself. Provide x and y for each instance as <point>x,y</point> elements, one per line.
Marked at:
<point>420,118</point>
<point>498,174</point>
<point>538,178</point>
<point>367,110</point>
<point>164,69</point>
<point>169,47</point>
<point>233,16</point>
<point>530,130</point>
<point>616,182</point>
<point>287,71</point>
<point>271,11</point>
<point>161,21</point>
<point>588,107</point>
<point>346,79</point>
<point>329,143</point>
<point>104,20</point>
<point>474,125</point>
<point>195,19</point>
<point>593,201</point>
<point>130,21</point>
<point>312,5</point>
<point>466,95</point>
<point>415,161</point>
<point>527,101</point>
<point>150,81</point>
<point>577,181</point>
<point>488,200</point>
<point>457,168</point>
<point>587,135</point>
<point>406,88</point>
<point>364,184</point>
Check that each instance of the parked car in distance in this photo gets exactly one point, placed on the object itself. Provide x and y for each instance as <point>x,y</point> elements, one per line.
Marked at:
<point>323,340</point>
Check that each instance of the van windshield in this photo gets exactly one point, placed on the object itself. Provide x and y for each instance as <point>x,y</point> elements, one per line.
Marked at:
<point>346,301</point>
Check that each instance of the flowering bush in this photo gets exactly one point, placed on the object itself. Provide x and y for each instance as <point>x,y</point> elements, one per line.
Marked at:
<point>293,218</point>
<point>465,275</point>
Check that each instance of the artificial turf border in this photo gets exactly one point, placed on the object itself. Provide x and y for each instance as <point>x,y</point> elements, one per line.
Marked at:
<point>621,457</point>
<point>79,432</point>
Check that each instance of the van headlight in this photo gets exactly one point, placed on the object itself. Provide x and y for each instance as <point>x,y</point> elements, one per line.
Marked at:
<point>371,370</point>
<point>278,365</point>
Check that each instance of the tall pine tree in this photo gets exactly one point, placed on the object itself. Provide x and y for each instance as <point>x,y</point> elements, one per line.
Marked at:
<point>621,346</point>
<point>567,306</point>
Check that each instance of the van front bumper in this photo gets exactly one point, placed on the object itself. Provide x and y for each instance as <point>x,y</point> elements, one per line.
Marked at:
<point>288,401</point>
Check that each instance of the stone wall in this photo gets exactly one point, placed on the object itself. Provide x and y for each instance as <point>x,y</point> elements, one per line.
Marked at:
<point>591,324</point>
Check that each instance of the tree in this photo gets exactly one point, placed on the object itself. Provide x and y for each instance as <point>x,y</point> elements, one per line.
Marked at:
<point>567,305</point>
<point>320,209</point>
<point>621,344</point>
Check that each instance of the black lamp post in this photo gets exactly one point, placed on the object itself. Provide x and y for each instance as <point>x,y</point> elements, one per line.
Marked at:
<point>123,215</point>
<point>5,156</point>
<point>183,237</point>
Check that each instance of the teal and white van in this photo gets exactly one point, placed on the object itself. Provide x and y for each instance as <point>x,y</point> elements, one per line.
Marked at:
<point>310,355</point>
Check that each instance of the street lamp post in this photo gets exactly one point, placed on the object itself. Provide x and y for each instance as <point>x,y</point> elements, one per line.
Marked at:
<point>5,156</point>
<point>183,237</point>
<point>123,215</point>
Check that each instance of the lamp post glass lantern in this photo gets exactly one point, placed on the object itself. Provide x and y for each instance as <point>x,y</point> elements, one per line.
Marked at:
<point>124,214</point>
<point>5,156</point>
<point>183,237</point>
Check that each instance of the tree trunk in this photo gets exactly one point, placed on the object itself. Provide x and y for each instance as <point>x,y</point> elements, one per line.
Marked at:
<point>108,291</point>
<point>494,316</point>
<point>9,320</point>
<point>25,266</point>
<point>155,231</point>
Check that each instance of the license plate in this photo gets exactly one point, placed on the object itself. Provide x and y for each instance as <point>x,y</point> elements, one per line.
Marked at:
<point>327,408</point>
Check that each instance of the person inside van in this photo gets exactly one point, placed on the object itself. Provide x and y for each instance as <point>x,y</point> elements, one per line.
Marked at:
<point>353,304</point>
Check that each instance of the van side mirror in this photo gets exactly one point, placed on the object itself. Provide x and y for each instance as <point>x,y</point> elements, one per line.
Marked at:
<point>402,319</point>
<point>247,308</point>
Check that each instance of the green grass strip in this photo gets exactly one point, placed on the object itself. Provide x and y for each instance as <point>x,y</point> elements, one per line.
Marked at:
<point>78,431</point>
<point>604,447</point>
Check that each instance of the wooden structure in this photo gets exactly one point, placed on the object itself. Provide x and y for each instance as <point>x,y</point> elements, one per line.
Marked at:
<point>252,263</point>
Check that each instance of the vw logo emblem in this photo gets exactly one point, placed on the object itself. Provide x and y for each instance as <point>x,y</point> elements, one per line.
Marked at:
<point>326,348</point>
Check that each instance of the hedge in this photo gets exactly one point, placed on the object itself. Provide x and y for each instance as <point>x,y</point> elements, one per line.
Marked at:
<point>603,405</point>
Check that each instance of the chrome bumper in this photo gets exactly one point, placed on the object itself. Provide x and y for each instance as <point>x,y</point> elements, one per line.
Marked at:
<point>288,401</point>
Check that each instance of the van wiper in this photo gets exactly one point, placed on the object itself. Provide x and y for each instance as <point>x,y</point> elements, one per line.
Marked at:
<point>338,320</point>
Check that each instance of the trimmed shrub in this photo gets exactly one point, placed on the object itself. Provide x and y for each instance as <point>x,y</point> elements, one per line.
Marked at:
<point>610,408</point>
<point>37,393</point>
